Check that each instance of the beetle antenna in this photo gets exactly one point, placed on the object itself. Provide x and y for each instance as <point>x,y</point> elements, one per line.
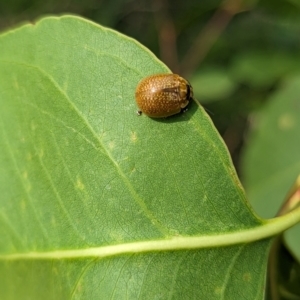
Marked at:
<point>208,111</point>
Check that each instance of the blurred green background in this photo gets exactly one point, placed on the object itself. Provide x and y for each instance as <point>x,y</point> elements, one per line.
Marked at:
<point>235,53</point>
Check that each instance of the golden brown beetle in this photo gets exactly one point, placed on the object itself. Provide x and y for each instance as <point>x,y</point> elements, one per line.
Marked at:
<point>163,95</point>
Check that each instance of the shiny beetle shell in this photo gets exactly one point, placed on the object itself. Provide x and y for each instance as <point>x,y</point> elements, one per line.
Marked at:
<point>163,95</point>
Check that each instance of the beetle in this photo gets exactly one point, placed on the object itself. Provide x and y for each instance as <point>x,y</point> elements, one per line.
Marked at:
<point>163,95</point>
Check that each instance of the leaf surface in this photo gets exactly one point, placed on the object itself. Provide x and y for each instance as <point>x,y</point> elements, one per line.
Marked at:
<point>81,171</point>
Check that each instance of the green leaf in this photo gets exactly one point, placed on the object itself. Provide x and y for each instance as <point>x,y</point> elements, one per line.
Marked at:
<point>212,84</point>
<point>98,203</point>
<point>271,162</point>
<point>261,69</point>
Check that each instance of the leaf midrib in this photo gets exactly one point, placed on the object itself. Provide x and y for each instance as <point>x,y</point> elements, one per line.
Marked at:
<point>269,229</point>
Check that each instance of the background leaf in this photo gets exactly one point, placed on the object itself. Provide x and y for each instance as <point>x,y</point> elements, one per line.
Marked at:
<point>271,162</point>
<point>81,170</point>
<point>212,84</point>
<point>262,69</point>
